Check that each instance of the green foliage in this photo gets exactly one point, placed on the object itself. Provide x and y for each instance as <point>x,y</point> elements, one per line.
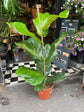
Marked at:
<point>46,19</point>
<point>43,18</point>
<point>64,14</point>
<point>76,8</point>
<point>30,75</point>
<point>75,4</point>
<point>57,76</point>
<point>51,56</point>
<point>33,48</point>
<point>22,29</point>
<point>39,87</point>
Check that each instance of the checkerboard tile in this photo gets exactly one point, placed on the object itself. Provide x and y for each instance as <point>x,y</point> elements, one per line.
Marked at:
<point>11,78</point>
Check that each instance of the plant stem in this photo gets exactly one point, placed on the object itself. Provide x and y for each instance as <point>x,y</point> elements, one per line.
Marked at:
<point>44,82</point>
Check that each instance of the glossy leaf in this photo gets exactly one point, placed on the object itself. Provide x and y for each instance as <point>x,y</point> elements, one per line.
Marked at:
<point>51,56</point>
<point>52,18</point>
<point>39,87</point>
<point>24,45</point>
<point>22,29</point>
<point>58,76</point>
<point>40,67</point>
<point>43,19</point>
<point>47,50</point>
<point>30,75</point>
<point>52,52</point>
<point>32,48</point>
<point>48,70</point>
<point>64,14</point>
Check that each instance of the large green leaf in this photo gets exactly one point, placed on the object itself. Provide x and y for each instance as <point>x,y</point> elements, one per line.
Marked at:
<point>51,56</point>
<point>52,52</point>
<point>43,19</point>
<point>47,50</point>
<point>39,87</point>
<point>46,19</point>
<point>64,14</point>
<point>52,18</point>
<point>24,45</point>
<point>40,65</point>
<point>30,75</point>
<point>32,48</point>
<point>22,29</point>
<point>36,47</point>
<point>48,70</point>
<point>40,68</point>
<point>9,5</point>
<point>58,76</point>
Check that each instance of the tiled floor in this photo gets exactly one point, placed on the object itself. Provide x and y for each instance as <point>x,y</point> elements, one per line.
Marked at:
<point>11,78</point>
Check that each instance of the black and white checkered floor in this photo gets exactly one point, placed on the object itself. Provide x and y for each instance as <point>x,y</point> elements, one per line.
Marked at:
<point>11,78</point>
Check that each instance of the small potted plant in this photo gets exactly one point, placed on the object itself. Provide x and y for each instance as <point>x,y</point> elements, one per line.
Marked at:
<point>42,54</point>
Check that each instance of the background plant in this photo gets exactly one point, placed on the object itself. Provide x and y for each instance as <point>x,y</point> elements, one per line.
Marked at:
<point>76,8</point>
<point>12,9</point>
<point>75,43</point>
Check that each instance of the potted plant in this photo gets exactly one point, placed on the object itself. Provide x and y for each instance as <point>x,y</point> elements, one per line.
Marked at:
<point>42,54</point>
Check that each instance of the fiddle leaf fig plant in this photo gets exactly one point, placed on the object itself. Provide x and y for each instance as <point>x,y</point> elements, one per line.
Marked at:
<point>43,54</point>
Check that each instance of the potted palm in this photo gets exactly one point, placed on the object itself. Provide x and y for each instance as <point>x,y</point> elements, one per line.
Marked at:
<point>42,54</point>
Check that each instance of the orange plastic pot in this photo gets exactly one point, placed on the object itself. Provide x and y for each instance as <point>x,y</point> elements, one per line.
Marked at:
<point>45,93</point>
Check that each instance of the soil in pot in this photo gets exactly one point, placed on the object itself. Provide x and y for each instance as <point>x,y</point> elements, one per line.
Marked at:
<point>45,93</point>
